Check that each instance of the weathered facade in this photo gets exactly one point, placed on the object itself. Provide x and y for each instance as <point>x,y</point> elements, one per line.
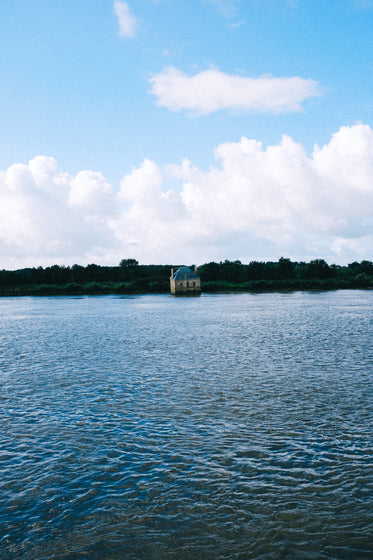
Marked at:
<point>185,281</point>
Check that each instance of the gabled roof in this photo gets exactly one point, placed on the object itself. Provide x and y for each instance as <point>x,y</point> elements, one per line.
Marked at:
<point>185,273</point>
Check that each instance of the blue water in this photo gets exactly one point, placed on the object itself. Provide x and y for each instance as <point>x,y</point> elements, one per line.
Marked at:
<point>220,427</point>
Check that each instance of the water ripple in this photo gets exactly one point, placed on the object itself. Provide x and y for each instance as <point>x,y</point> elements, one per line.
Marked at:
<point>175,428</point>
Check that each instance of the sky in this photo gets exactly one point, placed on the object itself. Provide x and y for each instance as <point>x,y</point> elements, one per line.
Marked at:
<point>178,132</point>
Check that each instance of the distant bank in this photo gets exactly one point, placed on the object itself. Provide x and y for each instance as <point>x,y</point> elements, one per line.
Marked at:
<point>130,277</point>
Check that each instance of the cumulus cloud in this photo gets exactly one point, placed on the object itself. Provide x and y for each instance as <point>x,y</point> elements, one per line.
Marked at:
<point>212,90</point>
<point>255,202</point>
<point>127,21</point>
<point>48,216</point>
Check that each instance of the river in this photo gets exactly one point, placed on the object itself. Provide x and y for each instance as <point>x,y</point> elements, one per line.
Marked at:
<point>227,426</point>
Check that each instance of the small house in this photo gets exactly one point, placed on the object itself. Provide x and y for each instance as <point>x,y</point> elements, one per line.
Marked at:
<point>185,281</point>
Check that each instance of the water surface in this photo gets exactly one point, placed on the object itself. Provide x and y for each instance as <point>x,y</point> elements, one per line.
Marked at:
<point>152,427</point>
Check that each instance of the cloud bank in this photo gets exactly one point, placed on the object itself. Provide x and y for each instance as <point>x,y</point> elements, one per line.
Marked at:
<point>127,22</point>
<point>253,203</point>
<point>212,90</point>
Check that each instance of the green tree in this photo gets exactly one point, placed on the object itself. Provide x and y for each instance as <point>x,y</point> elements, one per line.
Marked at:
<point>209,271</point>
<point>318,268</point>
<point>285,268</point>
<point>256,271</point>
<point>128,263</point>
<point>366,267</point>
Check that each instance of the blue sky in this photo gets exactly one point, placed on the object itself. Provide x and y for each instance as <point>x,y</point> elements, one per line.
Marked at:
<point>185,131</point>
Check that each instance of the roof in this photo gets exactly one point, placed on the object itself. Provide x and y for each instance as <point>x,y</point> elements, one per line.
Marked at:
<point>185,273</point>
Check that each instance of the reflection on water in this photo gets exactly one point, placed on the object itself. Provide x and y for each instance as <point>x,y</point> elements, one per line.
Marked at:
<point>152,427</point>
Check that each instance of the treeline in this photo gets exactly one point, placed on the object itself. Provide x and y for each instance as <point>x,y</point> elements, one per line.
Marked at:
<point>285,275</point>
<point>131,277</point>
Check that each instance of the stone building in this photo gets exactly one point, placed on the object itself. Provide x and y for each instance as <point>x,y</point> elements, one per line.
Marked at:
<point>185,281</point>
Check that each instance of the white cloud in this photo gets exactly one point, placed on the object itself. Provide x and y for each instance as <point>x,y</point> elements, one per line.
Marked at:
<point>127,21</point>
<point>255,202</point>
<point>212,90</point>
<point>227,8</point>
<point>48,216</point>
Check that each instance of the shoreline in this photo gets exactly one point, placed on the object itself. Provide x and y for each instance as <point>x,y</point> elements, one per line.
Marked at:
<point>45,290</point>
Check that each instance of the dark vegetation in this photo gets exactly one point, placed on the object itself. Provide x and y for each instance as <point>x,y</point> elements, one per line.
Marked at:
<point>130,277</point>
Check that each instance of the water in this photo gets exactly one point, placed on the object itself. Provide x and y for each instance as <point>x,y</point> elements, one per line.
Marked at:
<point>219,427</point>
